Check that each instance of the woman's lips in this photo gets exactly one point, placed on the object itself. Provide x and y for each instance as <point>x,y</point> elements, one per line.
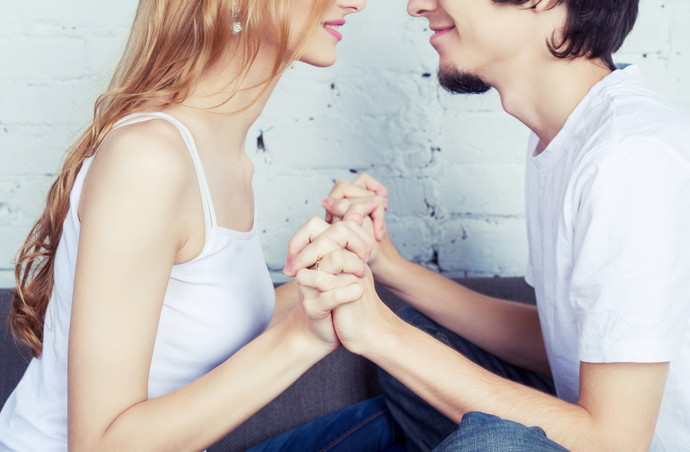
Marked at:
<point>332,26</point>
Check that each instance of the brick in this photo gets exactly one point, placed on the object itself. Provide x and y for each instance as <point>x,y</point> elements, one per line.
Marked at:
<point>69,103</point>
<point>32,59</point>
<point>22,200</point>
<point>12,239</point>
<point>6,278</point>
<point>652,31</point>
<point>483,189</point>
<point>32,150</point>
<point>483,247</point>
<point>482,137</point>
<point>414,237</point>
<point>75,16</point>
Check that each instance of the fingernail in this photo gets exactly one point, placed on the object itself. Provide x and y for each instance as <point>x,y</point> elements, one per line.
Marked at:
<point>327,202</point>
<point>372,202</point>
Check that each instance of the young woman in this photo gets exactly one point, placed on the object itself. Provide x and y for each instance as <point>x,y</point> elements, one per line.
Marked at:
<point>142,289</point>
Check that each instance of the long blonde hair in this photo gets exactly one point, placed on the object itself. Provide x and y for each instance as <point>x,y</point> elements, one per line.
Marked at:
<point>172,42</point>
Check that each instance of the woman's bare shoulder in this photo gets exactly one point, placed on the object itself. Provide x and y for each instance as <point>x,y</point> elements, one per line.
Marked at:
<point>146,164</point>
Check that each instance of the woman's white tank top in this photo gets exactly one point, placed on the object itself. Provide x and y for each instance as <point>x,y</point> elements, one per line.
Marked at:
<point>214,305</point>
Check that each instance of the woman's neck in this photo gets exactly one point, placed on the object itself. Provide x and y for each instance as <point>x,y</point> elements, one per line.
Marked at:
<point>228,99</point>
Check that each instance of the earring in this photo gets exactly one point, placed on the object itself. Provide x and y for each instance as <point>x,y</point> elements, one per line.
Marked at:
<point>236,15</point>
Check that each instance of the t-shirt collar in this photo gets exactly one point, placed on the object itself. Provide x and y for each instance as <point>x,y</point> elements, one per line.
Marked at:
<point>577,119</point>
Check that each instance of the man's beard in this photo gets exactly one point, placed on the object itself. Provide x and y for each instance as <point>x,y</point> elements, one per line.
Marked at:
<point>458,82</point>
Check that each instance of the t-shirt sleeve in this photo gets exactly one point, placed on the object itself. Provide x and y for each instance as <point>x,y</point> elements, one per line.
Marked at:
<point>630,286</point>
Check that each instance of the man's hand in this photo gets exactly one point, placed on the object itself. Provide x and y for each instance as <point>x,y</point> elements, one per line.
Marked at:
<point>364,201</point>
<point>356,200</point>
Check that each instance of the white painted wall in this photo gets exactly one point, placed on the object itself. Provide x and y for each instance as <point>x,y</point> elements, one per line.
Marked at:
<point>454,164</point>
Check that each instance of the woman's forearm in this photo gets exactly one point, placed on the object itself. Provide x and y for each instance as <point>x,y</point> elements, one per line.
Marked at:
<point>287,295</point>
<point>199,414</point>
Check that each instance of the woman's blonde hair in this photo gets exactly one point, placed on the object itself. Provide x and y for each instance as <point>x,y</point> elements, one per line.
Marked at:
<point>172,42</point>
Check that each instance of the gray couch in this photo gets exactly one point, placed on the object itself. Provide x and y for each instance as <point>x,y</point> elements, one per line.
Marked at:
<point>339,380</point>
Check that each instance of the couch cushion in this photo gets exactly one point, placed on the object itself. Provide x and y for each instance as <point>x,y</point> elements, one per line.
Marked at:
<point>13,357</point>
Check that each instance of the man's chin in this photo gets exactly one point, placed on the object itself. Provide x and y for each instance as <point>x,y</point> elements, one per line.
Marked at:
<point>458,82</point>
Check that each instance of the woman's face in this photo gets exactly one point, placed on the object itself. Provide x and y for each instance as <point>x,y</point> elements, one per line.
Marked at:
<point>320,49</point>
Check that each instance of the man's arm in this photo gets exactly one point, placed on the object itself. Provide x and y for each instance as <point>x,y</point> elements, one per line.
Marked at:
<point>508,330</point>
<point>611,414</point>
<point>617,410</point>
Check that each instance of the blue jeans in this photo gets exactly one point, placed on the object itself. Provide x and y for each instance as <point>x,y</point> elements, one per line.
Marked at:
<point>425,428</point>
<point>364,427</point>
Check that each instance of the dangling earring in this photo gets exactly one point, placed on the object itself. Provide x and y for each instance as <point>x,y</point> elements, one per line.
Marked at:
<point>236,16</point>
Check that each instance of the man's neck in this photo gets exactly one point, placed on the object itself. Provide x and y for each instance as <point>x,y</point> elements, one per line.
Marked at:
<point>545,97</point>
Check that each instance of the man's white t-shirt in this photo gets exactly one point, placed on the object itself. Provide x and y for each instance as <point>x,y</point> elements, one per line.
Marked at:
<point>608,219</point>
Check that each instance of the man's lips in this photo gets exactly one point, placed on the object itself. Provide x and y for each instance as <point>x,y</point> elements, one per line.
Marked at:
<point>440,31</point>
<point>332,27</point>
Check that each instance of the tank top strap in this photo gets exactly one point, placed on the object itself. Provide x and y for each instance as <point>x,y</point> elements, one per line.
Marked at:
<point>206,200</point>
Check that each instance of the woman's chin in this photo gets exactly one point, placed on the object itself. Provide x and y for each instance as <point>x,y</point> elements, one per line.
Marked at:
<point>319,61</point>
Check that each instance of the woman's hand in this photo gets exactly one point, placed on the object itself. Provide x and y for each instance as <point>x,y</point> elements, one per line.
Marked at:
<point>343,249</point>
<point>322,291</point>
<point>316,238</point>
<point>330,264</point>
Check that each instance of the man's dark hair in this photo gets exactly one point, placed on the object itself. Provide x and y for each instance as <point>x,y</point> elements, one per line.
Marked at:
<point>594,28</point>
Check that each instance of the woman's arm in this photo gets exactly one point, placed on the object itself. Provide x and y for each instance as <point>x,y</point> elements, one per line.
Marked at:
<point>287,296</point>
<point>134,228</point>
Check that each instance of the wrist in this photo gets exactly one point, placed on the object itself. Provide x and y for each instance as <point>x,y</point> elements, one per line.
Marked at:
<point>299,340</point>
<point>389,339</point>
<point>388,267</point>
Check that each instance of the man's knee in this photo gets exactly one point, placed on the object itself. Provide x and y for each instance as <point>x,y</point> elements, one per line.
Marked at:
<point>481,432</point>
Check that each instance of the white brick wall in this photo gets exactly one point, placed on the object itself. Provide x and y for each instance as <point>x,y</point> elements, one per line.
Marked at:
<point>454,164</point>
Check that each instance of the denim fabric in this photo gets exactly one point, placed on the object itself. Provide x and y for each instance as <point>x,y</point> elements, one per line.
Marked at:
<point>364,427</point>
<point>481,432</point>
<point>425,427</point>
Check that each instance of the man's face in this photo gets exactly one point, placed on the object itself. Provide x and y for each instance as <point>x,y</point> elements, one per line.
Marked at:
<point>477,40</point>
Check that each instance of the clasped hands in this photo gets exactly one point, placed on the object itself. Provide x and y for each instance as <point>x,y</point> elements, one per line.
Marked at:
<point>330,260</point>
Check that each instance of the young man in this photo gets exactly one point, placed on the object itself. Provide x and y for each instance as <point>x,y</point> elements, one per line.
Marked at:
<point>603,361</point>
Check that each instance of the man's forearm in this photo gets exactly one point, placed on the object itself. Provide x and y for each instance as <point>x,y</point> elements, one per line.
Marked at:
<point>508,330</point>
<point>454,385</point>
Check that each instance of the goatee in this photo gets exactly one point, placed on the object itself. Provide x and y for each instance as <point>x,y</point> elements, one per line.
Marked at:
<point>459,82</point>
